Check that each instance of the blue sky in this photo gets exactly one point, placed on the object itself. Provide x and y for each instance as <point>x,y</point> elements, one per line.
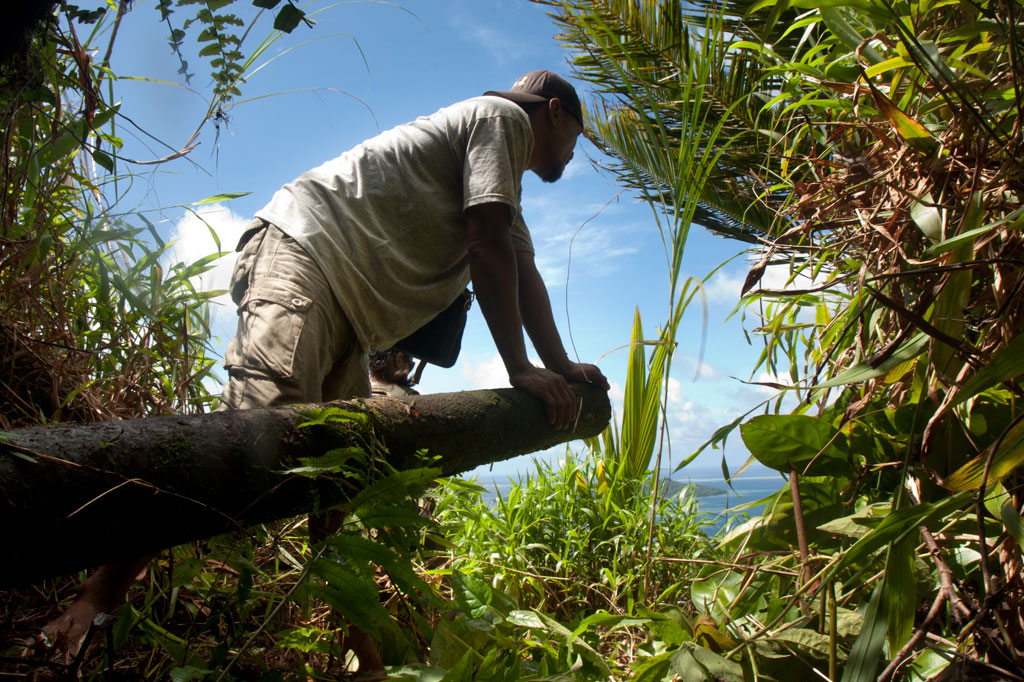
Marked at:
<point>367,66</point>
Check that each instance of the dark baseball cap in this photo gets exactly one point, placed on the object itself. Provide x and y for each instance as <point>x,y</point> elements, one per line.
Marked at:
<point>540,86</point>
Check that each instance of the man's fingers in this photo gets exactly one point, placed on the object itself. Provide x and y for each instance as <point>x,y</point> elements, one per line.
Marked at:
<point>559,399</point>
<point>566,405</point>
<point>553,390</point>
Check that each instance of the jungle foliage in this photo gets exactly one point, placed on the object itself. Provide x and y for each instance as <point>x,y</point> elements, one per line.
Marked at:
<point>871,148</point>
<point>874,150</point>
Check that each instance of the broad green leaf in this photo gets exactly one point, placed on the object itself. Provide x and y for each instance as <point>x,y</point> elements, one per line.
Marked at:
<point>912,132</point>
<point>603,619</point>
<point>188,673</point>
<point>866,654</point>
<point>103,159</point>
<point>927,217</point>
<point>575,644</point>
<point>667,628</point>
<point>479,600</point>
<point>463,670</point>
<point>362,549</point>
<point>1007,458</point>
<point>525,619</point>
<point>355,599</point>
<point>930,662</point>
<point>1015,220</point>
<point>821,500</point>
<point>948,313</point>
<point>693,663</point>
<point>900,594</point>
<point>1013,522</point>
<point>396,487</point>
<point>288,17</point>
<point>185,570</point>
<point>332,462</point>
<point>887,65</point>
<point>714,595</point>
<point>653,668</point>
<point>864,371</point>
<point>847,33</point>
<point>897,526</point>
<point>383,518</point>
<point>858,524</point>
<point>784,441</point>
<point>807,642</point>
<point>1006,363</point>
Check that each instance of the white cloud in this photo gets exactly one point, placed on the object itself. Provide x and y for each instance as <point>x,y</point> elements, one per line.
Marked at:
<point>724,287</point>
<point>675,390</point>
<point>192,240</point>
<point>696,370</point>
<point>777,277</point>
<point>617,397</point>
<point>771,378</point>
<point>598,249</point>
<point>489,373</point>
<point>616,392</point>
<point>502,47</point>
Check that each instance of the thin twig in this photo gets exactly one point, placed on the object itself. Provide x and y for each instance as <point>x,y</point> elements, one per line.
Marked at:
<point>798,520</point>
<point>754,568</point>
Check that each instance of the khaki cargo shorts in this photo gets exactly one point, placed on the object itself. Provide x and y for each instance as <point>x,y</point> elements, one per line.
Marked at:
<point>294,343</point>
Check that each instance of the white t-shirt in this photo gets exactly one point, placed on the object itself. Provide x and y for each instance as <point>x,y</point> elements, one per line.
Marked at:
<point>386,220</point>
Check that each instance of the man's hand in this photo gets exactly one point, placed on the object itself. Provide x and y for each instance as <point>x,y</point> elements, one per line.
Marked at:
<point>553,388</point>
<point>585,373</point>
<point>561,401</point>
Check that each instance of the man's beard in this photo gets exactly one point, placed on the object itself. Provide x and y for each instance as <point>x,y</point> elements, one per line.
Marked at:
<point>552,175</point>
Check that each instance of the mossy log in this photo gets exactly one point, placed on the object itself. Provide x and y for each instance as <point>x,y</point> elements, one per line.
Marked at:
<point>80,495</point>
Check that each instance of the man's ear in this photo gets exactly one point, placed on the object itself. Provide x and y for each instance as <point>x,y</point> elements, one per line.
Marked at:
<point>555,111</point>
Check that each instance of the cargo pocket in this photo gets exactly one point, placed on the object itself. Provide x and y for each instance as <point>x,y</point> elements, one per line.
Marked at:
<point>248,247</point>
<point>272,317</point>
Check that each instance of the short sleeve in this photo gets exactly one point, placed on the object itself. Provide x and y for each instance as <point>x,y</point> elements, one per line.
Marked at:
<point>521,239</point>
<point>497,152</point>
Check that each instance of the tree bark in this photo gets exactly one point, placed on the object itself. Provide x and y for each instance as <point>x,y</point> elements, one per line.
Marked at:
<point>77,496</point>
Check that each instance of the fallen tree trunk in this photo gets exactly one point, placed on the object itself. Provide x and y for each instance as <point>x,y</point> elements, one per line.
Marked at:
<point>77,496</point>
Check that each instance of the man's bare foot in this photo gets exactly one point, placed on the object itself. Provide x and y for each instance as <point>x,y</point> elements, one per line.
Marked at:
<point>102,592</point>
<point>62,638</point>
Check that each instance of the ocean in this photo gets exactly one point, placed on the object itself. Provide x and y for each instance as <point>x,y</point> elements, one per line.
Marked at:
<point>752,485</point>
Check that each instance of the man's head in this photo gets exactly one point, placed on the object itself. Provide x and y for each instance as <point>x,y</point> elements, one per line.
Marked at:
<point>555,116</point>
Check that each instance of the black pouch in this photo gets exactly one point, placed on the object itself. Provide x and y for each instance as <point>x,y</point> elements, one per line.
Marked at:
<point>440,340</point>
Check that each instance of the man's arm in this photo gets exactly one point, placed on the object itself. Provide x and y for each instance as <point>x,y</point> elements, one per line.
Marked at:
<point>535,308</point>
<point>493,267</point>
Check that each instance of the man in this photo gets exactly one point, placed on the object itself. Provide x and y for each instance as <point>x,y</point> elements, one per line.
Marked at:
<point>360,252</point>
<point>365,249</point>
